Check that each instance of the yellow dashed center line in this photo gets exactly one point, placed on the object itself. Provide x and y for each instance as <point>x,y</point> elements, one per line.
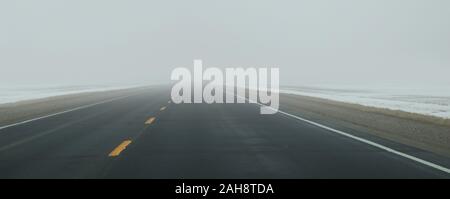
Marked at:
<point>119,148</point>
<point>162,108</point>
<point>151,120</point>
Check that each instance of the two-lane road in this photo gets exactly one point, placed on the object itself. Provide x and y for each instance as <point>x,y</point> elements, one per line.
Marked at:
<point>146,136</point>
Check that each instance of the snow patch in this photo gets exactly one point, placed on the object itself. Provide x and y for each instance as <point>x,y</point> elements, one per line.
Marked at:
<point>426,101</point>
<point>14,94</point>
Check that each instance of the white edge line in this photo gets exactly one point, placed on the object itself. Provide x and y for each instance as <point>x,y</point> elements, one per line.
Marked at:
<point>66,111</point>
<point>424,162</point>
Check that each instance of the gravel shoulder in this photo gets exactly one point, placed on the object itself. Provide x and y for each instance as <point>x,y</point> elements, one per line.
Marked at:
<point>420,131</point>
<point>24,110</point>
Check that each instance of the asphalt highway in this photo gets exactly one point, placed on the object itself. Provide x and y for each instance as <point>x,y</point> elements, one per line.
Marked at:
<point>146,136</point>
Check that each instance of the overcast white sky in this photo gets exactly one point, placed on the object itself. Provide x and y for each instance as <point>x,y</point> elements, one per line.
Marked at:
<point>401,42</point>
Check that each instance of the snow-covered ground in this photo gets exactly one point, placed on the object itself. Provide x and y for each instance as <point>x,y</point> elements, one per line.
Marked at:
<point>11,94</point>
<point>432,101</point>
